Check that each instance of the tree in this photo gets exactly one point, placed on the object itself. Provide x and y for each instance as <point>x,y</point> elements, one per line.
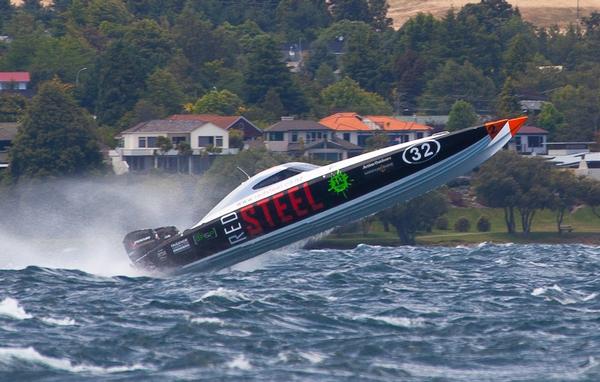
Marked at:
<point>222,102</point>
<point>300,19</point>
<point>512,182</point>
<point>347,95</point>
<point>419,214</point>
<point>12,106</point>
<point>354,10</point>
<point>265,70</point>
<point>581,108</point>
<point>551,119</point>
<point>567,190</point>
<point>508,105</point>
<point>590,194</point>
<point>454,82</point>
<point>120,82</point>
<point>6,11</point>
<point>377,141</point>
<point>163,90</point>
<point>55,138</point>
<point>462,115</point>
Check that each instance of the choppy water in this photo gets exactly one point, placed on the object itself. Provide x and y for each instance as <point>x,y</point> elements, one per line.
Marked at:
<point>489,313</point>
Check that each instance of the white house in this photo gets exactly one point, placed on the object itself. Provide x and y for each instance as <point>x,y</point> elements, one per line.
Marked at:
<point>194,144</point>
<point>530,140</point>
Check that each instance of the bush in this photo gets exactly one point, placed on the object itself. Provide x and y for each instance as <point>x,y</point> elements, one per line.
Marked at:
<point>442,223</point>
<point>483,224</point>
<point>462,224</point>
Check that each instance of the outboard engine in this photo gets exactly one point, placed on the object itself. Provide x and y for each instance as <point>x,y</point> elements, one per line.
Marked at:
<point>139,243</point>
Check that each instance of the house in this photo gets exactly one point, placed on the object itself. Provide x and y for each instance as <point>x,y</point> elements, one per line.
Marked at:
<point>356,129</point>
<point>530,140</point>
<point>309,139</point>
<point>8,132</point>
<point>293,55</point>
<point>14,81</point>
<point>194,143</point>
<point>249,130</point>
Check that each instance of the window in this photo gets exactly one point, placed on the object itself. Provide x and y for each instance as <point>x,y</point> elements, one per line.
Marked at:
<point>152,142</point>
<point>347,137</point>
<point>141,142</point>
<point>177,140</point>
<point>281,175</point>
<point>294,137</point>
<point>206,141</point>
<point>362,140</point>
<point>327,157</point>
<point>313,136</point>
<point>419,135</point>
<point>535,141</point>
<point>218,141</point>
<point>276,136</point>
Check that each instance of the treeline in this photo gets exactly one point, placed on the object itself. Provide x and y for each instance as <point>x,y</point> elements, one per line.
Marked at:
<point>133,60</point>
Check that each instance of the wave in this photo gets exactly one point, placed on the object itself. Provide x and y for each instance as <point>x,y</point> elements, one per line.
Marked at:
<point>10,307</point>
<point>11,356</point>
<point>207,320</point>
<point>239,362</point>
<point>228,294</point>
<point>403,322</point>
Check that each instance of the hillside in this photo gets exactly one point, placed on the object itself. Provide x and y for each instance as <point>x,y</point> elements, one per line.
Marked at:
<point>538,12</point>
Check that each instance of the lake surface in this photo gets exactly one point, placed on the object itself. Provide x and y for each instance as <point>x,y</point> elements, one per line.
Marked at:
<point>488,313</point>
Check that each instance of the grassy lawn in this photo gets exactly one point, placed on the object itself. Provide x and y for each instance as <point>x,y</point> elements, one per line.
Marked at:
<point>586,229</point>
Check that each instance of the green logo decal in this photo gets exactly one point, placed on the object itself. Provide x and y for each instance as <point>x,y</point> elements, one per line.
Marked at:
<point>339,183</point>
<point>200,236</point>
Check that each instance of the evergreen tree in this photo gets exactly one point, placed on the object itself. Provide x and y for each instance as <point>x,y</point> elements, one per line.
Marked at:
<point>378,11</point>
<point>163,90</point>
<point>265,71</point>
<point>508,105</point>
<point>300,19</point>
<point>6,12</point>
<point>353,10</point>
<point>462,115</point>
<point>55,138</point>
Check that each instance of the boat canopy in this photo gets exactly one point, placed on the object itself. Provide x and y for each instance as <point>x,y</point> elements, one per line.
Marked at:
<point>261,180</point>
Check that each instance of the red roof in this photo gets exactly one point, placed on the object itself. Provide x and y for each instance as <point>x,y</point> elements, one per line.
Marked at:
<point>222,121</point>
<point>531,130</point>
<point>14,77</point>
<point>355,122</point>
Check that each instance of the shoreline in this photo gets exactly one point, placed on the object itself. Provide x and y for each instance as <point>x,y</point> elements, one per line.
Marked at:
<point>464,239</point>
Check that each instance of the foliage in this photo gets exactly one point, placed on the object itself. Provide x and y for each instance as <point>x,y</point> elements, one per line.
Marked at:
<point>55,137</point>
<point>347,95</point>
<point>483,224</point>
<point>462,224</point>
<point>512,182</point>
<point>507,104</point>
<point>461,115</point>
<point>222,102</point>
<point>377,141</point>
<point>12,107</point>
<point>419,214</point>
<point>442,223</point>
<point>236,139</point>
<point>455,82</point>
<point>164,144</point>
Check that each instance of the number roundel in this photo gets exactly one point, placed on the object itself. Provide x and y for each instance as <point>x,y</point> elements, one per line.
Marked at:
<point>421,152</point>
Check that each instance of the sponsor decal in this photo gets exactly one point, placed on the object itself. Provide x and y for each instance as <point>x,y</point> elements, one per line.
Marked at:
<point>180,246</point>
<point>200,236</point>
<point>380,166</point>
<point>339,183</point>
<point>421,152</point>
<point>139,241</point>
<point>280,209</point>
<point>162,255</point>
<point>233,228</point>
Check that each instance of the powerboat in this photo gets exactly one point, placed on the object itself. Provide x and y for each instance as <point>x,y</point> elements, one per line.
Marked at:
<point>295,201</point>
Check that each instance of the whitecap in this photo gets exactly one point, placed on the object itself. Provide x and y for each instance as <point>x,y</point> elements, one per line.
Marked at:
<point>312,357</point>
<point>403,322</point>
<point>538,291</point>
<point>67,321</point>
<point>207,320</point>
<point>10,307</point>
<point>229,294</point>
<point>234,333</point>
<point>239,362</point>
<point>29,354</point>
<point>590,297</point>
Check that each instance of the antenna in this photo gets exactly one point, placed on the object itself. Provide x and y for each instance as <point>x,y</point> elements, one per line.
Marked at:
<point>244,172</point>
